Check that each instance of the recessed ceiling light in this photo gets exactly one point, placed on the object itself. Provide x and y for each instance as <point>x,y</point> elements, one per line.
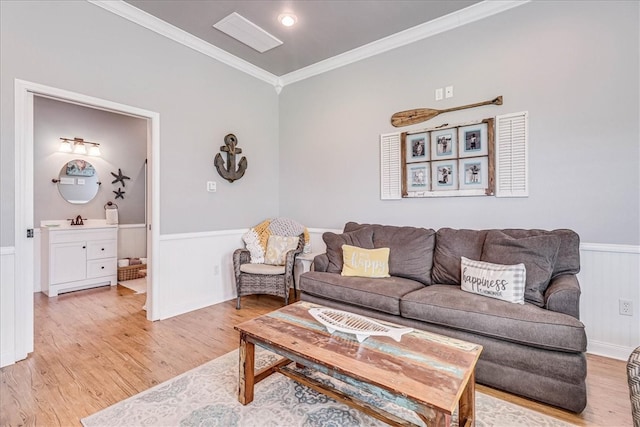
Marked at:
<point>288,19</point>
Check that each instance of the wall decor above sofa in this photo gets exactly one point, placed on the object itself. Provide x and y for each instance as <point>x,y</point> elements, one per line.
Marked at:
<point>451,161</point>
<point>481,158</point>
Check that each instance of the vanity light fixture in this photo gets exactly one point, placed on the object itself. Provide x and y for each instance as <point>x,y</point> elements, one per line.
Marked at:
<point>288,19</point>
<point>79,146</point>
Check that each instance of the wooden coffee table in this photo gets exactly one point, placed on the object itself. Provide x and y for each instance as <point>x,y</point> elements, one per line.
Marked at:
<point>427,373</point>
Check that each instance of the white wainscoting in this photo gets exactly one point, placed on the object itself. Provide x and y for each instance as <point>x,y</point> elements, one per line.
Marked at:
<point>7,306</point>
<point>196,270</point>
<point>132,241</point>
<point>609,273</point>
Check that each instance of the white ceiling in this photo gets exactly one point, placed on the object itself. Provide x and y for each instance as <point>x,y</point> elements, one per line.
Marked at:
<point>324,28</point>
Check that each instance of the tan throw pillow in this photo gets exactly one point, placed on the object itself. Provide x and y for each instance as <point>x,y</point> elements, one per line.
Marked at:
<point>365,262</point>
<point>505,282</point>
<point>277,248</point>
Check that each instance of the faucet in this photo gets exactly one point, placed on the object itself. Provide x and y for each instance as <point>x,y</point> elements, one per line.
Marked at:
<point>77,221</point>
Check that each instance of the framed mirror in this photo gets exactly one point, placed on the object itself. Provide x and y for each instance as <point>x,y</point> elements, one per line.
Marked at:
<point>78,182</point>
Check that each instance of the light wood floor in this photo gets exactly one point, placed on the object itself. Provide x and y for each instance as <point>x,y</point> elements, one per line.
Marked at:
<point>94,348</point>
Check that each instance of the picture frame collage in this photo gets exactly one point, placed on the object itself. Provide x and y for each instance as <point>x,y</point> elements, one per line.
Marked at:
<point>449,161</point>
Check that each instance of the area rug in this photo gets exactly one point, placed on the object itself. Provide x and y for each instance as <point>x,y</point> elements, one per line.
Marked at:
<point>137,285</point>
<point>207,396</point>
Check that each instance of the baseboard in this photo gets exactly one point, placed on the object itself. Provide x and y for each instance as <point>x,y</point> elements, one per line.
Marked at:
<point>609,350</point>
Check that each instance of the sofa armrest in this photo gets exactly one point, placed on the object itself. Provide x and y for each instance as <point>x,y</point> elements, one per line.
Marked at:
<point>320,263</point>
<point>563,295</point>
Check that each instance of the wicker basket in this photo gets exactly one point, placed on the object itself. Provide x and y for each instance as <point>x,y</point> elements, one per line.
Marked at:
<point>131,272</point>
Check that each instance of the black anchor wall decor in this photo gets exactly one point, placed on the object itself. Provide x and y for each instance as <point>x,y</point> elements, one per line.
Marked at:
<point>230,173</point>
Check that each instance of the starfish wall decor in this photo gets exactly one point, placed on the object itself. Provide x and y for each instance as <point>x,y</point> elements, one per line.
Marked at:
<point>119,194</point>
<point>119,177</point>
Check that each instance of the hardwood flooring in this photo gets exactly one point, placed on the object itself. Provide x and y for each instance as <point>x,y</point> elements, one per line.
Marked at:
<point>94,348</point>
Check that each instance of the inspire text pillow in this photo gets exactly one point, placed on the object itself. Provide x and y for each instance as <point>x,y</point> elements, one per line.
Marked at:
<point>505,282</point>
<point>365,262</point>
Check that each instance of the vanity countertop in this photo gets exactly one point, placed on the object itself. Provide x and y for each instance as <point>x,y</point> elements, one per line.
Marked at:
<point>61,224</point>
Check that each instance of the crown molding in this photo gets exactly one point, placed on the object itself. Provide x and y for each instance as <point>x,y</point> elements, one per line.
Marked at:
<point>462,17</point>
<point>144,19</point>
<point>448,22</point>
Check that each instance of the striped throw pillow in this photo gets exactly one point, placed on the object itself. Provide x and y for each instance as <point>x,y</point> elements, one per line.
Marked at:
<point>505,282</point>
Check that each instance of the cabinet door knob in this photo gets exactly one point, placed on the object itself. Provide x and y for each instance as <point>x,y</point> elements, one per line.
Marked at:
<point>102,267</point>
<point>84,247</point>
<point>102,249</point>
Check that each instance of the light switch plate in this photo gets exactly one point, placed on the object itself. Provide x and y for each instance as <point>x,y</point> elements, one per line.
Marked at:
<point>211,186</point>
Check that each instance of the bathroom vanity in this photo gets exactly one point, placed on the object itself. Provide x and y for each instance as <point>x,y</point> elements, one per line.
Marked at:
<point>78,257</point>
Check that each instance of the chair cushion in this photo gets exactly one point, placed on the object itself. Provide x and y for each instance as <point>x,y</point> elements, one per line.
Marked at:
<point>524,324</point>
<point>262,269</point>
<point>277,248</point>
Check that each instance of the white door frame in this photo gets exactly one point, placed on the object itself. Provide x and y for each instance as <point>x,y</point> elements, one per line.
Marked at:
<point>24,214</point>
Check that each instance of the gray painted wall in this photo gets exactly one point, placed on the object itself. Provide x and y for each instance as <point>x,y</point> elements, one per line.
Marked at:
<point>572,65</point>
<point>88,50</point>
<point>123,145</point>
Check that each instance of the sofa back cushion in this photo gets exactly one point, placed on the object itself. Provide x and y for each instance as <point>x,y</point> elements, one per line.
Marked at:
<point>568,259</point>
<point>362,238</point>
<point>538,253</point>
<point>410,249</point>
<point>451,246</point>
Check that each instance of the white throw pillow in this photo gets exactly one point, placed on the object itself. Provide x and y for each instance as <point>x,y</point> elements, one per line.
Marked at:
<point>505,282</point>
<point>277,248</point>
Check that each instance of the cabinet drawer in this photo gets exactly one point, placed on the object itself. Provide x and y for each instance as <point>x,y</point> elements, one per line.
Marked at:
<point>101,249</point>
<point>75,235</point>
<point>101,267</point>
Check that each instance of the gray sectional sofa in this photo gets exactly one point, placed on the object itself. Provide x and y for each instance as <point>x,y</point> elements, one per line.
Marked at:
<point>536,349</point>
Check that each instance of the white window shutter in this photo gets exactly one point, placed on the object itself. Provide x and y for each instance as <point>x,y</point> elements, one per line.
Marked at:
<point>390,167</point>
<point>512,169</point>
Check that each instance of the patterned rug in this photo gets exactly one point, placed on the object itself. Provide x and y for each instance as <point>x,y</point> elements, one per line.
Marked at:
<point>207,396</point>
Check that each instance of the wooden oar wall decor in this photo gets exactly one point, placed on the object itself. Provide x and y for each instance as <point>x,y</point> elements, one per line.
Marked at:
<point>418,115</point>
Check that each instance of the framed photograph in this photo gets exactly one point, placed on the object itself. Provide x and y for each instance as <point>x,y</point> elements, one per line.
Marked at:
<point>472,140</point>
<point>444,175</point>
<point>418,177</point>
<point>474,173</point>
<point>417,147</point>
<point>444,144</point>
<point>80,168</point>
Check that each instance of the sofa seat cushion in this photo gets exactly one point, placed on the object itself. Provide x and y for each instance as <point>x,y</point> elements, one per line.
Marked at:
<point>523,324</point>
<point>382,294</point>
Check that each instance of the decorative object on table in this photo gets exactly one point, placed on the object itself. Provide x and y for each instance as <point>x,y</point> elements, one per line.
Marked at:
<point>230,173</point>
<point>417,115</point>
<point>119,193</point>
<point>362,327</point>
<point>461,161</point>
<point>119,177</point>
<point>111,213</point>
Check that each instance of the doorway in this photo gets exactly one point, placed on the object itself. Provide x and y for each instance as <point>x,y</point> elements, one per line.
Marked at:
<point>24,199</point>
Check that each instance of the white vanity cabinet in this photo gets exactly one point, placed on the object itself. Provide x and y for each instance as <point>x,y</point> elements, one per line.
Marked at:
<point>78,258</point>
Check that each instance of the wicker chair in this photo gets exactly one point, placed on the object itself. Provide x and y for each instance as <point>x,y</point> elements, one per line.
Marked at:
<point>254,279</point>
<point>633,376</point>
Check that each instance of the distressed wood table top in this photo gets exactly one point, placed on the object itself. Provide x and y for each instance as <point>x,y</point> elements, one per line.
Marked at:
<point>424,367</point>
